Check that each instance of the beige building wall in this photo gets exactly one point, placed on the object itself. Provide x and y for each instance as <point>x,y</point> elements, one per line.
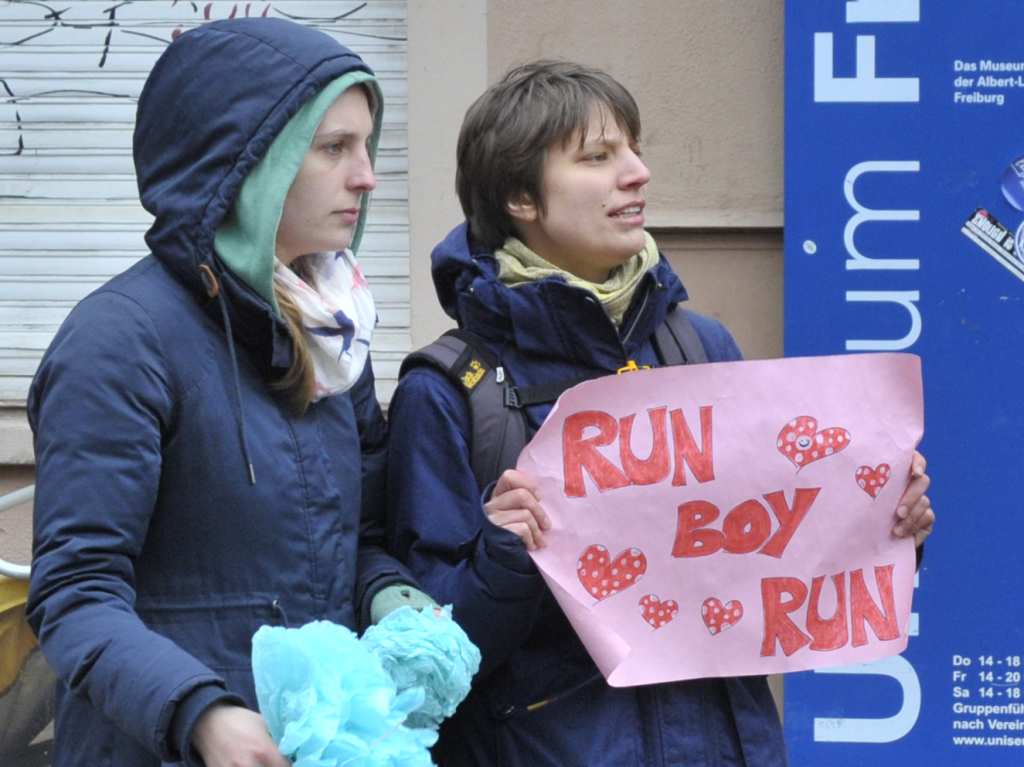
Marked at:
<point>448,44</point>
<point>16,472</point>
<point>708,78</point>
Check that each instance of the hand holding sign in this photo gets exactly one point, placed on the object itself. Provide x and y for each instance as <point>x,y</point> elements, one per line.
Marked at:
<point>515,505</point>
<point>915,514</point>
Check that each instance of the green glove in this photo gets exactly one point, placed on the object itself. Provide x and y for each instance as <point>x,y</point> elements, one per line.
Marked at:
<point>389,599</point>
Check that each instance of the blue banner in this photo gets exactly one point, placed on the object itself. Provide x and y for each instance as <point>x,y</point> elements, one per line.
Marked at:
<point>905,231</point>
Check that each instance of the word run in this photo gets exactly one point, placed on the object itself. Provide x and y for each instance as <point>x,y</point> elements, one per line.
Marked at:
<point>579,452</point>
<point>827,633</point>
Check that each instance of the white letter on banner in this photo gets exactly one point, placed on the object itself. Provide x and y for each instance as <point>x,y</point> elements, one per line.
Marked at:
<point>905,299</point>
<point>858,260</point>
<point>865,86</point>
<point>867,11</point>
<point>885,730</point>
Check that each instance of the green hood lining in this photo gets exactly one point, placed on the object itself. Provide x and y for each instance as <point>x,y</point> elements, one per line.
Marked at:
<point>246,239</point>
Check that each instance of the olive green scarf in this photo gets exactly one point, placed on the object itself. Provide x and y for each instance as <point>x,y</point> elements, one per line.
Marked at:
<point>518,265</point>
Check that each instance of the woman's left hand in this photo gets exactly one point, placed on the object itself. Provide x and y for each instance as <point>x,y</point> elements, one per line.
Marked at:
<point>914,514</point>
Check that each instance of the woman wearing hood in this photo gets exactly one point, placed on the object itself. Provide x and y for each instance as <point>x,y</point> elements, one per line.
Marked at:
<point>210,451</point>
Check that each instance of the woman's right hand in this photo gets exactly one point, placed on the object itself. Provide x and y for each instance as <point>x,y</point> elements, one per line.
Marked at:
<point>515,505</point>
<point>231,736</point>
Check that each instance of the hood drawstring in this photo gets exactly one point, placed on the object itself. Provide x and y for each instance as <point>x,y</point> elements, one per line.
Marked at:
<point>213,291</point>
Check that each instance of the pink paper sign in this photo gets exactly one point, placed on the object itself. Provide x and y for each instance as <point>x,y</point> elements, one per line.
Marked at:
<point>732,518</point>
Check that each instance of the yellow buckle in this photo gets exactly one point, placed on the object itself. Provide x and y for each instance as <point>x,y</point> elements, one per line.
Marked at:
<point>631,365</point>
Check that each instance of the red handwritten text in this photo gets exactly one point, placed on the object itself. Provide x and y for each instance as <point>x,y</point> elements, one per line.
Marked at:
<point>827,633</point>
<point>579,452</point>
<point>744,529</point>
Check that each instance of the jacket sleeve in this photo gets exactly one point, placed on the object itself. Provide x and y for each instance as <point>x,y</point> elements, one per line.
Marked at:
<point>437,524</point>
<point>376,569</point>
<point>100,407</point>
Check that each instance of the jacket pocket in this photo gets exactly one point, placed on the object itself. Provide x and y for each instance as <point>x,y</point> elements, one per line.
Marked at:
<point>218,632</point>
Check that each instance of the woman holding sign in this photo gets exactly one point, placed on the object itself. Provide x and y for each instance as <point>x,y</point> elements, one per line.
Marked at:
<point>554,273</point>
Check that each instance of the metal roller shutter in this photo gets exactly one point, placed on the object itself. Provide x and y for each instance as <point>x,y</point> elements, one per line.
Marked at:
<point>70,218</point>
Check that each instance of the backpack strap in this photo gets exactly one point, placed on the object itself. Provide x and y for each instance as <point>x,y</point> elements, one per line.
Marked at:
<point>676,341</point>
<point>499,432</point>
<point>523,396</point>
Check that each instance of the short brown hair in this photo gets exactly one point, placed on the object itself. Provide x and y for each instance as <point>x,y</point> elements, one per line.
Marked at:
<point>506,134</point>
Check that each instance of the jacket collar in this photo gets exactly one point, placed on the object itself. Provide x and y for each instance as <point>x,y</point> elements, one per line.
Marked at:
<point>546,318</point>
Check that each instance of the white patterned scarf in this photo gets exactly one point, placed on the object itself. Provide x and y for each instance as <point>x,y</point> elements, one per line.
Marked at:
<point>338,316</point>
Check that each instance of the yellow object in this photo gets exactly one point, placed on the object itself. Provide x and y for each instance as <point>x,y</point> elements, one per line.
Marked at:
<point>630,366</point>
<point>13,592</point>
<point>472,376</point>
<point>16,638</point>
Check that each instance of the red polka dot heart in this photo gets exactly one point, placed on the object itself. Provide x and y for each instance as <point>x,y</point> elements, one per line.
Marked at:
<point>801,444</point>
<point>656,612</point>
<point>602,576</point>
<point>871,481</point>
<point>719,617</point>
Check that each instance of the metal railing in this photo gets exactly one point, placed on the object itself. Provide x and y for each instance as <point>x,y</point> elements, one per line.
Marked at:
<point>9,501</point>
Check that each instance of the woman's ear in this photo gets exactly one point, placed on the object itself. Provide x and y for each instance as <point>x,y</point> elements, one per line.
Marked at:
<point>523,209</point>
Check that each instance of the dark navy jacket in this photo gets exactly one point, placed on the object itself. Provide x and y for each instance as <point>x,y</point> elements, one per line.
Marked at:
<point>538,699</point>
<point>155,558</point>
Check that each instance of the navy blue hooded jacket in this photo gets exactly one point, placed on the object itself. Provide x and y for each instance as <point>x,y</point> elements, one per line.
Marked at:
<point>155,556</point>
<point>539,699</point>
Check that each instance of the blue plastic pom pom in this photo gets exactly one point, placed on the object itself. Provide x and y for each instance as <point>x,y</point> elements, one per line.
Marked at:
<point>428,651</point>
<point>329,703</point>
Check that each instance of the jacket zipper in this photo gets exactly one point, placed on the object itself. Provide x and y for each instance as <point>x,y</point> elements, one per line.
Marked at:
<point>636,320</point>
<point>513,710</point>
